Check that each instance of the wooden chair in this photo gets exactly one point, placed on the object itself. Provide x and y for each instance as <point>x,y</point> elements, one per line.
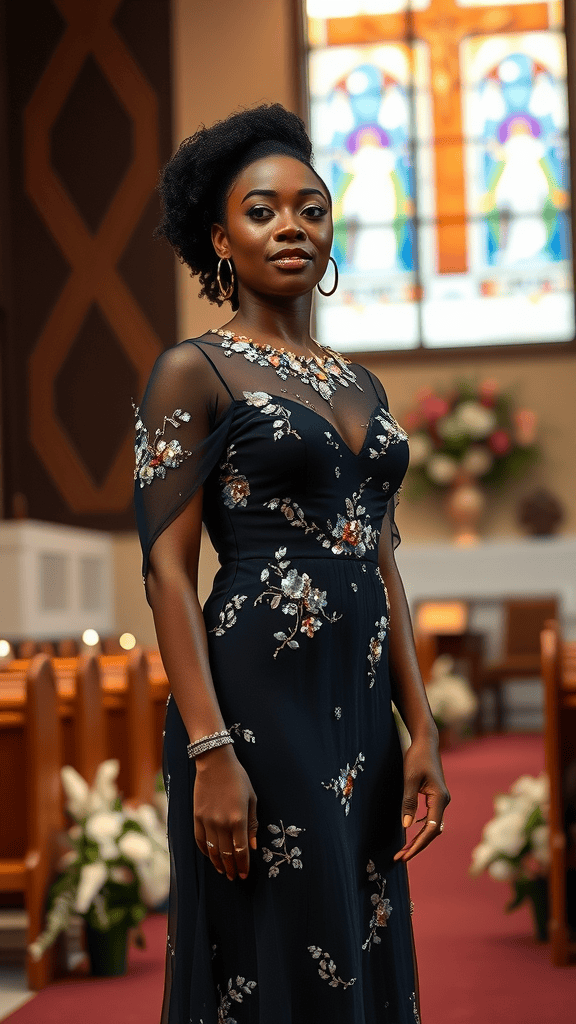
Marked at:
<point>524,621</point>
<point>559,674</point>
<point>31,796</point>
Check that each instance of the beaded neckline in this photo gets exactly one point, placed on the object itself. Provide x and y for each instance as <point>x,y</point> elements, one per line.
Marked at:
<point>322,374</point>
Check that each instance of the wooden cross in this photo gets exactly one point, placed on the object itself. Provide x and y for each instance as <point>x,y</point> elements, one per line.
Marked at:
<point>443,25</point>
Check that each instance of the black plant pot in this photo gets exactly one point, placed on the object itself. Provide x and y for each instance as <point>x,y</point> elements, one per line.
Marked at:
<point>107,950</point>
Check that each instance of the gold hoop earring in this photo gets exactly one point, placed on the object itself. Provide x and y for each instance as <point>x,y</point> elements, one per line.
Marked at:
<point>225,293</point>
<point>335,285</point>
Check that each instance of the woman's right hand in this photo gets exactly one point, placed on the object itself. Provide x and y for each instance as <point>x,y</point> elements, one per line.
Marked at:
<point>225,822</point>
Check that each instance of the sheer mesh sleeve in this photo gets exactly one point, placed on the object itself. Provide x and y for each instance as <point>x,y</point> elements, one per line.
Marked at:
<point>181,429</point>
<point>392,503</point>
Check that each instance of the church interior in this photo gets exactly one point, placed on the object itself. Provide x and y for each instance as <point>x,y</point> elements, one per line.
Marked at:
<point>445,130</point>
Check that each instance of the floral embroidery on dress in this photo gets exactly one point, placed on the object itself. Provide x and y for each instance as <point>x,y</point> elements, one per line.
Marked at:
<point>414,1008</point>
<point>337,472</point>
<point>381,578</point>
<point>244,988</point>
<point>235,486</point>
<point>352,534</point>
<point>337,713</point>
<point>375,648</point>
<point>331,440</point>
<point>327,968</point>
<point>394,434</point>
<point>323,378</point>
<point>153,459</point>
<point>297,597</point>
<point>281,425</point>
<point>246,734</point>
<point>343,784</point>
<point>284,855</point>
<point>382,908</point>
<point>228,617</point>
<point>354,587</point>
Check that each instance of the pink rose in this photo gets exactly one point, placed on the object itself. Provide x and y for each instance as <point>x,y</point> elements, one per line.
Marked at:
<point>525,426</point>
<point>411,421</point>
<point>488,390</point>
<point>499,442</point>
<point>433,408</point>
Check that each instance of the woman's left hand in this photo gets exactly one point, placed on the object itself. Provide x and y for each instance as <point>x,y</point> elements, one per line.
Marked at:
<point>423,774</point>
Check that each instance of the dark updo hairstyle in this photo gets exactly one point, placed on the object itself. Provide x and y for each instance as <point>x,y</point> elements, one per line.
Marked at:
<point>195,183</point>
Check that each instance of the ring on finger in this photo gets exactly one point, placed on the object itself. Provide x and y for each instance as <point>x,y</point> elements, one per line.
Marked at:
<point>223,853</point>
<point>430,822</point>
<point>441,826</point>
<point>210,845</point>
<point>240,849</point>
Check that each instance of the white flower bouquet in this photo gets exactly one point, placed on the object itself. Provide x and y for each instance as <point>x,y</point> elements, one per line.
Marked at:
<point>452,700</point>
<point>515,842</point>
<point>117,865</point>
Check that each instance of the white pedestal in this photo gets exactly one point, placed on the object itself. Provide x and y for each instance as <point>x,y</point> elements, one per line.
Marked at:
<point>494,571</point>
<point>55,581</point>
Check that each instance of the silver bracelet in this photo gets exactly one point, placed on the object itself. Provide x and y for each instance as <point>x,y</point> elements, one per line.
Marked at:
<point>216,739</point>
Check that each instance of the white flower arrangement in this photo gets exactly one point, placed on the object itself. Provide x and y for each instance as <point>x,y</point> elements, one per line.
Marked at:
<point>118,865</point>
<point>452,700</point>
<point>515,842</point>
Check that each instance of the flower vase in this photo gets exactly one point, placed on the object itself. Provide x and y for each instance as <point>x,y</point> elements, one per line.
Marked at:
<point>465,505</point>
<point>107,950</point>
<point>538,895</point>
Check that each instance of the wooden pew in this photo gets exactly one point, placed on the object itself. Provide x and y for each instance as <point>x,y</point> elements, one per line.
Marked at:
<point>129,722</point>
<point>31,802</point>
<point>160,689</point>
<point>559,674</point>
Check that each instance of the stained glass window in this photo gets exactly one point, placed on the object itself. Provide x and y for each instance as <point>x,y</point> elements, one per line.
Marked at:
<point>441,128</point>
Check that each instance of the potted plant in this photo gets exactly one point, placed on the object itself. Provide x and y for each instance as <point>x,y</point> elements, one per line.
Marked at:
<point>116,867</point>
<point>515,846</point>
<point>468,435</point>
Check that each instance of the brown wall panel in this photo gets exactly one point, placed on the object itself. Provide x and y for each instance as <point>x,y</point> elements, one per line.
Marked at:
<point>91,301</point>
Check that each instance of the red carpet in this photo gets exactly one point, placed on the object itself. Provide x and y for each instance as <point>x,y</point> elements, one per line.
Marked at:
<point>134,999</point>
<point>477,964</point>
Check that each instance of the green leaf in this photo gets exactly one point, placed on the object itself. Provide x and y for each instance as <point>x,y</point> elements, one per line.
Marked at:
<point>138,913</point>
<point>521,888</point>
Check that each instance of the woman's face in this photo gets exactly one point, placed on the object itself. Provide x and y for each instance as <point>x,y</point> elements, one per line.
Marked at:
<point>278,229</point>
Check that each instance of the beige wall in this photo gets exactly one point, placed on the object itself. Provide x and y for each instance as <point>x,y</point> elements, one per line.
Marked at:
<point>547,385</point>
<point>226,56</point>
<point>239,54</point>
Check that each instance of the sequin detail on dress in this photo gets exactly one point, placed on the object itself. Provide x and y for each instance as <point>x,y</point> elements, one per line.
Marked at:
<point>281,425</point>
<point>281,851</point>
<point>382,908</point>
<point>343,784</point>
<point>243,988</point>
<point>228,617</point>
<point>352,534</point>
<point>394,434</point>
<point>246,734</point>
<point>375,648</point>
<point>327,968</point>
<point>235,486</point>
<point>153,459</point>
<point>324,379</point>
<point>297,597</point>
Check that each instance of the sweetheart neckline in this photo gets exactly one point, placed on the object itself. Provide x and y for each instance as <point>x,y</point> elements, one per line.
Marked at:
<point>301,405</point>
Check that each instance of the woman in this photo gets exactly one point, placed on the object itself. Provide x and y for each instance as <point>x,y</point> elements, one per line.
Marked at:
<point>289,901</point>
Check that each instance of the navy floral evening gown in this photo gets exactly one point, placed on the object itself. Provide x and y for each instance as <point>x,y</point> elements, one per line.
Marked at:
<point>299,467</point>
